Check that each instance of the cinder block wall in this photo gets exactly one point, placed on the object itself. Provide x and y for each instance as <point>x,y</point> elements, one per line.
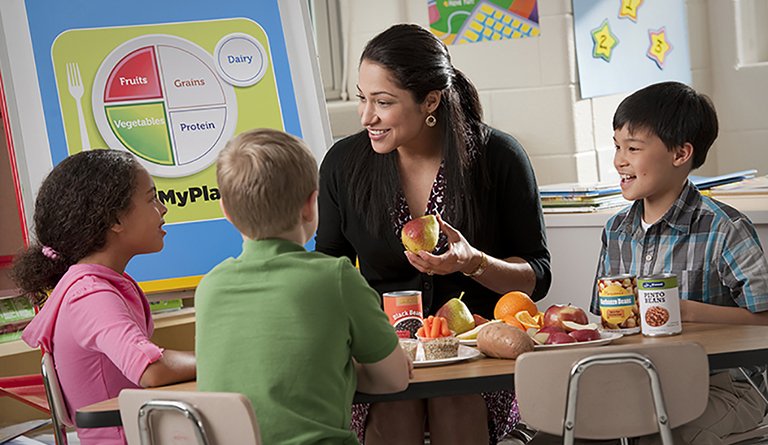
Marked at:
<point>529,88</point>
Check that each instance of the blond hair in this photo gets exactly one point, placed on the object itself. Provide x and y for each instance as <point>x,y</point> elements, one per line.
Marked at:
<point>265,176</point>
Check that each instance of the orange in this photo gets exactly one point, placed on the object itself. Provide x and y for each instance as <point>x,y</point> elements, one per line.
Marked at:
<point>512,321</point>
<point>526,320</point>
<point>512,303</point>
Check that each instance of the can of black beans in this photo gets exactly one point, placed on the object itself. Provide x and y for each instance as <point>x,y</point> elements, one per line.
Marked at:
<point>404,311</point>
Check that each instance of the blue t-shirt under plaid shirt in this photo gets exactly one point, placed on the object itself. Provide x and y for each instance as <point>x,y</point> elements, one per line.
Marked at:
<point>711,247</point>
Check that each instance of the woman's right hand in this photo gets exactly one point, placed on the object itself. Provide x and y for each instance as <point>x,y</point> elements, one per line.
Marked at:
<point>460,256</point>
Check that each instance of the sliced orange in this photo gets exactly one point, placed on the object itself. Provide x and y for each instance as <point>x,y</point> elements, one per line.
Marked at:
<point>525,318</point>
<point>513,321</point>
<point>512,303</point>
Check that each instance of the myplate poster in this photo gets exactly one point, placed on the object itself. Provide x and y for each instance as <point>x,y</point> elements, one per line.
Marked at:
<point>170,83</point>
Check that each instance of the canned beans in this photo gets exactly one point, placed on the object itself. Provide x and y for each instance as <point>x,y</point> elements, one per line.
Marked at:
<point>619,310</point>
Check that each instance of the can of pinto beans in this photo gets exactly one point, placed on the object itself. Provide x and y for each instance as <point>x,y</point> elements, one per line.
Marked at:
<point>619,311</point>
<point>659,305</point>
<point>404,311</point>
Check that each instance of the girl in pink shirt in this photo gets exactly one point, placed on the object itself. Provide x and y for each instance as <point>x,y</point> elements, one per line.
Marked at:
<point>94,212</point>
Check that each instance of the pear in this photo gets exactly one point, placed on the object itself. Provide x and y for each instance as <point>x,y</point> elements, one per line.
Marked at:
<point>457,314</point>
<point>421,234</point>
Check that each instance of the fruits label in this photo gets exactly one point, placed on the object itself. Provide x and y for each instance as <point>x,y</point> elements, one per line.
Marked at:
<point>659,305</point>
<point>404,311</point>
<point>619,310</point>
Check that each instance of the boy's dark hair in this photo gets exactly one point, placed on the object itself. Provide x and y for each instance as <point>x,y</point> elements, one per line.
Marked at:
<point>675,113</point>
<point>78,202</point>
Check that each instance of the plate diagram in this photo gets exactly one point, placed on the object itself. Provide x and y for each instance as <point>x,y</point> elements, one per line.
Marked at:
<point>160,98</point>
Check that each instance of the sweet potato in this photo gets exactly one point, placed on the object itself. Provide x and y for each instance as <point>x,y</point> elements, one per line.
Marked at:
<point>501,340</point>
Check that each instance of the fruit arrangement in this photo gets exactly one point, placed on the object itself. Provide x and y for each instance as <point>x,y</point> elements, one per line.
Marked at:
<point>517,327</point>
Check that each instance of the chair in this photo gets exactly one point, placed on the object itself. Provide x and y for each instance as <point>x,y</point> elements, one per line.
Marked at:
<point>59,413</point>
<point>612,393</point>
<point>209,418</point>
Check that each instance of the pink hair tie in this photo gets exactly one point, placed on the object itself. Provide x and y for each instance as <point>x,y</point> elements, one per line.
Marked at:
<point>50,253</point>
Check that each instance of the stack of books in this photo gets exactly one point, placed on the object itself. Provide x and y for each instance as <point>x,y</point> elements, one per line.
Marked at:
<point>751,187</point>
<point>574,197</point>
<point>15,314</point>
<point>580,198</point>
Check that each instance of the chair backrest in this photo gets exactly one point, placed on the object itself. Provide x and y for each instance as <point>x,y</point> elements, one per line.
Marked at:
<point>614,399</point>
<point>157,416</point>
<point>59,412</point>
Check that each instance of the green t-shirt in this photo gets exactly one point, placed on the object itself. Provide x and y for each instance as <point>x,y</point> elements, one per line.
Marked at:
<point>281,325</point>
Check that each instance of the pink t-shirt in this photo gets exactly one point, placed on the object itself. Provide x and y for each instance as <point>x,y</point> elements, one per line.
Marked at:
<point>97,324</point>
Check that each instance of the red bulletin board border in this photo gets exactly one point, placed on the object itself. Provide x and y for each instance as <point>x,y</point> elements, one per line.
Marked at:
<point>4,261</point>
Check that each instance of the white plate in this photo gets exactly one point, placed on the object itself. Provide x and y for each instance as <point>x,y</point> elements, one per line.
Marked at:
<point>605,338</point>
<point>465,353</point>
<point>472,342</point>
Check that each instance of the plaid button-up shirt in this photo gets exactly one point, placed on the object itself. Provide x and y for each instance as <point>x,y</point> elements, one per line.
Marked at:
<point>711,247</point>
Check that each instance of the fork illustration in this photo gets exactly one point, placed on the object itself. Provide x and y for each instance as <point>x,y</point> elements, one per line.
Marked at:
<point>76,90</point>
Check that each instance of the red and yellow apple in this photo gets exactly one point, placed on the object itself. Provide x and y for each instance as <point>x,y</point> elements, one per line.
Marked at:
<point>558,313</point>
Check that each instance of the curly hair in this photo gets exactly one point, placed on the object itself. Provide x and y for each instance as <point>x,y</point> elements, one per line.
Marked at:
<point>80,199</point>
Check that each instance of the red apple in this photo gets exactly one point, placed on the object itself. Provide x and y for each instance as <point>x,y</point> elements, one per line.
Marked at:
<point>558,313</point>
<point>551,329</point>
<point>585,334</point>
<point>559,338</point>
<point>479,319</point>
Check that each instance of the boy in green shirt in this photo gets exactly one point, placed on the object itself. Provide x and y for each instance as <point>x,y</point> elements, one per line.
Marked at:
<point>297,332</point>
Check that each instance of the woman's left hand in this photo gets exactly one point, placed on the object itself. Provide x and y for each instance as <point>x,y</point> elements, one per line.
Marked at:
<point>458,257</point>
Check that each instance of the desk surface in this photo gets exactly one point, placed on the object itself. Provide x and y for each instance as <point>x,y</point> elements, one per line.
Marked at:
<point>726,346</point>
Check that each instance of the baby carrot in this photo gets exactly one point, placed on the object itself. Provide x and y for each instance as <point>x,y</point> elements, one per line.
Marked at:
<point>445,331</point>
<point>420,332</point>
<point>435,331</point>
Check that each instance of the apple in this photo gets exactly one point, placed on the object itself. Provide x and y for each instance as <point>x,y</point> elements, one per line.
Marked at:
<point>558,313</point>
<point>457,314</point>
<point>479,319</point>
<point>559,338</point>
<point>540,338</point>
<point>421,234</point>
<point>551,329</point>
<point>585,334</point>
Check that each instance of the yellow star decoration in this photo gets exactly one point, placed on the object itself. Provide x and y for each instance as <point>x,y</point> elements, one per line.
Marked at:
<point>604,41</point>
<point>659,47</point>
<point>628,9</point>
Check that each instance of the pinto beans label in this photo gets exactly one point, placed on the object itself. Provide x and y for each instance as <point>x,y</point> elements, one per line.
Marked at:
<point>659,305</point>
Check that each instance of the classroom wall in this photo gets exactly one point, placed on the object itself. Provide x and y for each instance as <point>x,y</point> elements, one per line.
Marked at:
<point>529,88</point>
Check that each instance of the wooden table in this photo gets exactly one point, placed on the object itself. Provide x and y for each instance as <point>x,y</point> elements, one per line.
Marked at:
<point>727,346</point>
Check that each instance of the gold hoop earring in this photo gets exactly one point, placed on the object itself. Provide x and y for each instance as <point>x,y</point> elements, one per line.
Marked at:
<point>431,121</point>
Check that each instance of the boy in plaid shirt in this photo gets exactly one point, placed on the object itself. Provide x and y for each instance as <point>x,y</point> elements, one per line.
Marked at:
<point>661,133</point>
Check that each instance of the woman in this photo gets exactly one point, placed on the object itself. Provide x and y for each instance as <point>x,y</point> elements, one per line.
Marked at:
<point>425,150</point>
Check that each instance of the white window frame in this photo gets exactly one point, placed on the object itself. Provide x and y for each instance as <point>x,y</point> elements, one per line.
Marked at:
<point>326,21</point>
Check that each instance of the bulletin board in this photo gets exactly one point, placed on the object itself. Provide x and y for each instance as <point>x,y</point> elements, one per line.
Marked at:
<point>624,45</point>
<point>170,82</point>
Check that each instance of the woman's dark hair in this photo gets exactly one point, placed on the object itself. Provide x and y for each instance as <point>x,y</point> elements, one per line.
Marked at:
<point>419,63</point>
<point>675,113</point>
<point>79,201</point>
